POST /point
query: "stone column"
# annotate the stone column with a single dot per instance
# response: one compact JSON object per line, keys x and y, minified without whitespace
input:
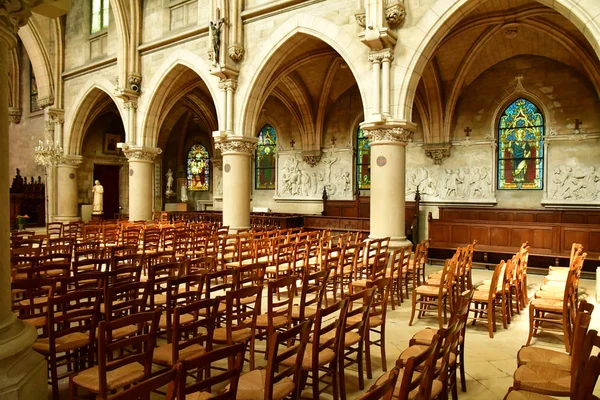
{"x":388,"y":171}
{"x":141,"y":182}
{"x":22,"y":371}
{"x":237,"y":155}
{"x":66,"y":193}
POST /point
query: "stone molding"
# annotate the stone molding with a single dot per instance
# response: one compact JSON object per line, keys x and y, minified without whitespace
{"x":382,"y":55}
{"x":134,"y":78}
{"x":55,"y":115}
{"x":233,"y":146}
{"x":71,"y":161}
{"x":140,"y":153}
{"x":236,"y":52}
{"x":45,"y":102}
{"x":361,"y":18}
{"x":228,"y":84}
{"x":437,"y":152}
{"x":396,"y":135}
{"x":395,"y":14}
{"x":15,"y":114}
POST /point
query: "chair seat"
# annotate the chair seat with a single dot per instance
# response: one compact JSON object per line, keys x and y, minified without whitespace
{"x":163,"y":355}
{"x":436,"y":388}
{"x":550,"y":294}
{"x":184,"y":319}
{"x":251,"y":386}
{"x":273,"y":269}
{"x":433,"y":282}
{"x":551,"y":358}
{"x":542,"y":379}
{"x":547,"y":305}
{"x":121,"y":332}
{"x":350,"y":339}
{"x":38,"y":322}
{"x":199,"y":396}
{"x":427,"y":290}
{"x":68,"y":342}
{"x":361,"y":283}
{"x":325,"y":357}
{"x":308,"y":312}
{"x":525,"y":395}
{"x":417,"y":349}
{"x":36,"y":300}
{"x":374,"y":321}
{"x":262,"y":321}
{"x":481,"y":296}
{"x":115,"y":379}
{"x":160,"y":299}
{"x":236,"y":264}
{"x":425,"y":336}
{"x":237,"y":336}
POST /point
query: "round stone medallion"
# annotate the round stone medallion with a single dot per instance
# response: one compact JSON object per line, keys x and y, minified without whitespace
{"x":71,"y":175}
{"x":381,"y":161}
{"x":130,"y":171}
{"x":227,"y":168}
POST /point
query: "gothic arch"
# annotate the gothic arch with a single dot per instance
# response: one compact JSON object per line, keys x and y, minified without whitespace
{"x":439,"y":19}
{"x":157,"y":105}
{"x":40,"y":61}
{"x":86,"y":100}
{"x":267,"y":59}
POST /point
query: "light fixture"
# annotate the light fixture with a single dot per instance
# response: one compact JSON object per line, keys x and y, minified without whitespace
{"x":48,"y":153}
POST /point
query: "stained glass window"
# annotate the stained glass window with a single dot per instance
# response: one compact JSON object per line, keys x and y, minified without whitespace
{"x":265,"y":159}
{"x":520,"y":146}
{"x":198,"y":168}
{"x":99,"y":15}
{"x":363,"y":161}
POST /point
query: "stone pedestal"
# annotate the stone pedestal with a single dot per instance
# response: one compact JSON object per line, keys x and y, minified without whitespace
{"x":67,"y":207}
{"x":388,"y":171}
{"x":97,"y":217}
{"x":141,"y":184}
{"x":237,"y":155}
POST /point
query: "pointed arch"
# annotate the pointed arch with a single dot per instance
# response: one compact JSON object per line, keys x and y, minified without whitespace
{"x":267,"y":59}
{"x":157,"y":104}
{"x":88,"y":97}
{"x":40,"y":61}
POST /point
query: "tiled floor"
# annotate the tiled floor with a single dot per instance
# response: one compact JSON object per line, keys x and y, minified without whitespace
{"x":489,"y":363}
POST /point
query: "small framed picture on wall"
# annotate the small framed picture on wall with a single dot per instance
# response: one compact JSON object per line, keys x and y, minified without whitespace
{"x":110,"y":143}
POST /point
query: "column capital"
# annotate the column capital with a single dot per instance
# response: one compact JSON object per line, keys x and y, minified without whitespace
{"x":381,"y":55}
{"x":139,"y":153}
{"x":228,"y":84}
{"x":236,"y":145}
{"x":437,"y":152}
{"x":54,"y":114}
{"x":72,"y":161}
{"x":13,"y":15}
{"x":386,"y":133}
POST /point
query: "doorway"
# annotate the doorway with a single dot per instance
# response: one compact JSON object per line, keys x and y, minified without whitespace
{"x":108,"y":175}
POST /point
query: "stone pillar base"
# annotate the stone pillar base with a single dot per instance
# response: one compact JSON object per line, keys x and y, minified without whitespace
{"x":23,"y":372}
{"x":63,"y":219}
{"x":395,"y":242}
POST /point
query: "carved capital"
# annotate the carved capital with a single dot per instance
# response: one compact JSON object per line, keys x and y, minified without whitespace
{"x":14,"y":114}
{"x":312,"y":158}
{"x":55,"y":115}
{"x":395,"y":135}
{"x":437,"y":153}
{"x":236,"y":52}
{"x":361,"y":18}
{"x":13,"y":15}
{"x":395,"y":14}
{"x":228,"y":84}
{"x":139,"y":153}
{"x":134,"y":78}
{"x":131,"y":104}
{"x":237,"y":146}
{"x":381,"y":55}
{"x":45,"y":102}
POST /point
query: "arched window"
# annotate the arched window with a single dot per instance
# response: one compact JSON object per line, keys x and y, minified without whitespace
{"x":265,"y":159}
{"x":520,"y":146}
{"x":198,"y":168}
{"x":99,"y":15}
{"x":363,"y":161}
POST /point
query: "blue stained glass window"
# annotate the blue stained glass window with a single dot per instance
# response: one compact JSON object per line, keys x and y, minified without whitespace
{"x":265,"y":158}
{"x":363,"y":161}
{"x":198,"y":168}
{"x":521,"y":146}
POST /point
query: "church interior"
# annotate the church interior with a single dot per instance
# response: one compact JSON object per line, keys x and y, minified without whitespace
{"x":199,"y":187}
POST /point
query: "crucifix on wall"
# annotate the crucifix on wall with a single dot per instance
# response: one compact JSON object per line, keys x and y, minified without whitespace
{"x":578,"y":123}
{"x":215,"y":29}
{"x":468,"y":131}
{"x":292,"y":143}
{"x":333,"y":140}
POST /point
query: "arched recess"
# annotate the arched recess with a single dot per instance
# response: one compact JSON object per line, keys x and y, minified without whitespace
{"x":269,"y":59}
{"x":440,"y":19}
{"x":177,"y":75}
{"x":97,"y":90}
{"x":40,"y":61}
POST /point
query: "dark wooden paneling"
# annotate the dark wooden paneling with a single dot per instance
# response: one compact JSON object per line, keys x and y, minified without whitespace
{"x":521,"y":215}
{"x":501,"y":236}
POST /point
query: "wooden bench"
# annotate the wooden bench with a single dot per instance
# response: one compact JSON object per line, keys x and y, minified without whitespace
{"x":500,"y":232}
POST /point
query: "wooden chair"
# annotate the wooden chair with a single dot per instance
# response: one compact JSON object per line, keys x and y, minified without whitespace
{"x":144,"y":389}
{"x":158,"y":275}
{"x":201,"y":265}
{"x":180,"y":291}
{"x":355,"y":330}
{"x":344,"y":274}
{"x":377,"y":318}
{"x":240,"y":319}
{"x":71,"y":324}
{"x":428,"y":296}
{"x":484,"y":301}
{"x":54,"y":229}
{"x":30,"y":301}
{"x":282,"y":262}
{"x":384,"y":388}
{"x":398,"y":273}
{"x":123,"y":300}
{"x":121,"y":361}
{"x":282,"y":375}
{"x":311,"y":295}
{"x":322,"y":355}
{"x":200,"y":388}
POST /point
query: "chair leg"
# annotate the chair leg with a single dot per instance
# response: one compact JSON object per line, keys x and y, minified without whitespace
{"x":54,"y":376}
{"x":414,"y":306}
{"x":361,"y":372}
{"x":368,"y":354}
{"x":491,"y":319}
{"x":341,"y":378}
{"x":383,"y":359}
{"x":463,"y":379}
{"x":531,"y":324}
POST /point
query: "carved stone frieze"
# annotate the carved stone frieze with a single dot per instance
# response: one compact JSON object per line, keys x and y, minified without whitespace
{"x":312,"y":159}
{"x":71,"y":161}
{"x":139,"y":153}
{"x":14,"y":114}
{"x":389,"y":135}
{"x":236,"y":52}
{"x":451,"y":184}
{"x":228,"y":84}
{"x":575,"y":184}
{"x":45,"y":102}
{"x":395,"y":14}
{"x":236,"y":146}
{"x":381,"y":55}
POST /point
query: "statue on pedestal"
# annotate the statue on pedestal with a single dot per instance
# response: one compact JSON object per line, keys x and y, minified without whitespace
{"x":98,"y":202}
{"x":169,"y":189}
{"x":184,"y":196}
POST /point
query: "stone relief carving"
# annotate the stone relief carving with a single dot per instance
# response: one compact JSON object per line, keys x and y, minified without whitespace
{"x":402,"y":135}
{"x":236,"y":52}
{"x":575,"y":183}
{"x":236,"y":146}
{"x":218,"y":180}
{"x":298,"y":179}
{"x":450,"y":184}
{"x":14,"y":114}
{"x":395,"y":13}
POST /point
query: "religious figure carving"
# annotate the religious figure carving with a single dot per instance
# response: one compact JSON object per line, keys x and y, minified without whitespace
{"x":215,"y":29}
{"x":578,"y":183}
{"x":169,"y":186}
{"x":98,"y":198}
{"x":184,"y":196}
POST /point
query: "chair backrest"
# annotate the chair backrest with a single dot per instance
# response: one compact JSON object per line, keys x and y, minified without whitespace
{"x":312,"y":292}
{"x":27,"y":294}
{"x":495,"y":279}
{"x":243,"y":307}
{"x":54,"y":229}
{"x":231,"y":374}
{"x":90,"y":264}
{"x":144,"y":390}
{"x":275,"y":370}
{"x":385,"y":389}
{"x":83,"y":280}
{"x":400,"y":259}
{"x":411,"y":377}
{"x":125,"y":299}
{"x":380,"y":297}
{"x":580,"y":325}
{"x":137,"y":347}
{"x":586,"y":383}
{"x":379,"y":267}
{"x":197,"y":328}
{"x":201,"y":265}
{"x":249,"y":275}
{"x":332,"y":318}
{"x":280,"y":305}
{"x":159,"y":275}
{"x":359,"y":305}
{"x":181,"y":291}
{"x":218,"y":281}
{"x":127,"y":260}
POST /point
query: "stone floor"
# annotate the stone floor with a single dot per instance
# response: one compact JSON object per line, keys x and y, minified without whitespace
{"x":489,"y":363}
